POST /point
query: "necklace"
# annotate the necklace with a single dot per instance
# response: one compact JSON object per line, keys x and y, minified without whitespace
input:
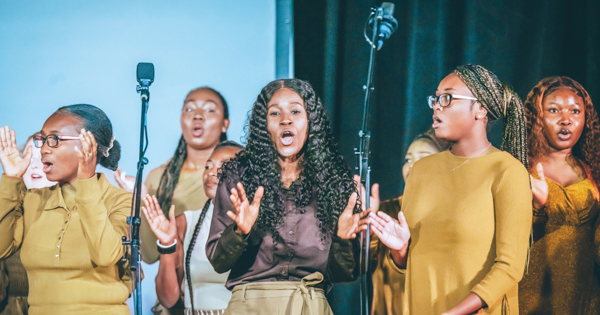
{"x":463,"y":163}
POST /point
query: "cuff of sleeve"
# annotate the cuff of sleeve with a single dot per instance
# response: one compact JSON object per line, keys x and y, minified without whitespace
{"x":11,"y":187}
{"x":233,"y":242}
{"x":390,"y":261}
{"x":87,"y":189}
{"x":483,"y":295}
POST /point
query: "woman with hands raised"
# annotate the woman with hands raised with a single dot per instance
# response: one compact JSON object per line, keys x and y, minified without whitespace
{"x":186,"y":268}
{"x":286,"y":208}
{"x":564,"y":133}
{"x":464,"y":228}
{"x":69,"y":234}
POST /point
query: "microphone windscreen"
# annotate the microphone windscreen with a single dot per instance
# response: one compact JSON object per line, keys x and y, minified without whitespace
{"x":388,"y":8}
{"x":145,"y":71}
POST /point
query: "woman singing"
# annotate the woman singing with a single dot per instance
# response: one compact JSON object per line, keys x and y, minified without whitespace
{"x":69,"y":234}
{"x":564,"y":151}
{"x":284,"y":208}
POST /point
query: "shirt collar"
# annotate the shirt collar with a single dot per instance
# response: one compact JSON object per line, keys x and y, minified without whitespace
{"x":57,"y":199}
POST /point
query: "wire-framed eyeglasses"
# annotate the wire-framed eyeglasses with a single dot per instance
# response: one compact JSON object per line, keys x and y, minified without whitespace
{"x":445,"y":99}
{"x":51,"y":140}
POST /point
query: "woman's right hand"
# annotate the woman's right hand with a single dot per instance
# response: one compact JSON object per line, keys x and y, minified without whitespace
{"x":539,"y":188}
{"x":12,"y":163}
{"x":165,"y":230}
{"x":393,"y":234}
{"x":244,"y":213}
{"x":126,"y":182}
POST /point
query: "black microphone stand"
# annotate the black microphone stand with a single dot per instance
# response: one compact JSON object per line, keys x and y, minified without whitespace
{"x":363,"y":153}
{"x":134,"y":220}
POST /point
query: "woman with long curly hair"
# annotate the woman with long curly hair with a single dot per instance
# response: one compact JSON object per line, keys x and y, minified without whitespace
{"x":463,"y":232}
{"x":564,"y":148}
{"x":285,"y":208}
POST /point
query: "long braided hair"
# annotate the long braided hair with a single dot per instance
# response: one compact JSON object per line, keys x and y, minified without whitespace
{"x":586,"y":150}
{"x":188,"y":254}
{"x":170,"y":177}
{"x":500,"y":101}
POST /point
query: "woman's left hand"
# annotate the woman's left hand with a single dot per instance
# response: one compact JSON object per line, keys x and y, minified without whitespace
{"x":349,"y":222}
{"x":87,"y":155}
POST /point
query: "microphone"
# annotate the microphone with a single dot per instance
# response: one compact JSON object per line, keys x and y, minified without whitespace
{"x":145,"y":77}
{"x":387,"y":23}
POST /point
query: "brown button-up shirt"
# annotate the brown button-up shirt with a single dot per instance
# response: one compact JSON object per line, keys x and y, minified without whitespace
{"x":296,"y":252}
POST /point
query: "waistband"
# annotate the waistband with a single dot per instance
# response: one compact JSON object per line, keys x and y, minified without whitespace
{"x":301,"y":292}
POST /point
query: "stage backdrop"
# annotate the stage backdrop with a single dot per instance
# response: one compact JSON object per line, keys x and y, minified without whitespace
{"x":56,"y":53}
{"x":521,"y":41}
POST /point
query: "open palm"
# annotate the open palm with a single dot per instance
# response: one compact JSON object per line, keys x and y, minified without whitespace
{"x":12,"y":163}
{"x":244,"y":212}
{"x":539,"y":188}
{"x":393,"y":234}
{"x":165,"y":230}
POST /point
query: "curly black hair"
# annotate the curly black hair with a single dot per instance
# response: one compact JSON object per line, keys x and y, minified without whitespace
{"x":323,"y":170}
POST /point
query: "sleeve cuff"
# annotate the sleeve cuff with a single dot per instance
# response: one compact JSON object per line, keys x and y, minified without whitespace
{"x":233,"y":242}
{"x":484,"y":296}
{"x":87,"y":189}
{"x":390,"y":261}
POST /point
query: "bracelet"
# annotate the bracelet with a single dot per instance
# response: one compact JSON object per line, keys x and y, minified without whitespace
{"x":162,"y":249}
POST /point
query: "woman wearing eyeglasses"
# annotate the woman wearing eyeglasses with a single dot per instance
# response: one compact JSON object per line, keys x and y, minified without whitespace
{"x":465,"y":223}
{"x":69,"y":234}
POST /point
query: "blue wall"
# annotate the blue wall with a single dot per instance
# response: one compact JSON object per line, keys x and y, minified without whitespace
{"x":55,"y":53}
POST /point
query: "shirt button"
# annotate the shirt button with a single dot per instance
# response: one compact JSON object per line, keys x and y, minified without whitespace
{"x":75,"y":208}
{"x":63,"y":230}
{"x":56,"y":255}
{"x":66,"y":222}
{"x":59,"y":238}
{"x":57,"y":246}
{"x":291,"y":232}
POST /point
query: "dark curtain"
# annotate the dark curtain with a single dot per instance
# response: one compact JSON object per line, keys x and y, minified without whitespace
{"x":520,"y":41}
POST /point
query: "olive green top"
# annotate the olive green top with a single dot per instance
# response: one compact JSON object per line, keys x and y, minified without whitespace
{"x":70,"y":241}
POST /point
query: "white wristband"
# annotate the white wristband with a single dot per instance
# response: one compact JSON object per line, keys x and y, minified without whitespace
{"x":165,"y":246}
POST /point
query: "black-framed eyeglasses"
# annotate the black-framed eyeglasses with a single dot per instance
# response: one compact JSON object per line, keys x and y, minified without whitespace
{"x":445,"y":99}
{"x":51,"y":140}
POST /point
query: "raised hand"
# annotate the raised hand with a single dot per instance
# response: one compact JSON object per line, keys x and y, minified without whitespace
{"x":126,"y":182}
{"x":12,"y":163}
{"x":87,"y":155}
{"x":539,"y":188}
{"x":165,"y":230}
{"x":393,"y":234}
{"x":244,"y":213}
{"x":350,"y":223}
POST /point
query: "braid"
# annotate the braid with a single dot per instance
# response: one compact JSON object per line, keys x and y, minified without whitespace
{"x":188,"y":254}
{"x":500,"y":101}
{"x":170,"y":177}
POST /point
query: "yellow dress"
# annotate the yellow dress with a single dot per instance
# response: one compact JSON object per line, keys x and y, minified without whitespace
{"x":388,"y":280}
{"x":470,"y":221}
{"x":561,"y":277}
{"x":70,"y":241}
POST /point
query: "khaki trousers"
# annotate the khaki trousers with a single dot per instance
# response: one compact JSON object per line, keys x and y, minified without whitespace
{"x":280,"y":298}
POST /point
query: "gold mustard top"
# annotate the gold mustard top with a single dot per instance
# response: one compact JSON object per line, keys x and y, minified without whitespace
{"x":561,"y":277}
